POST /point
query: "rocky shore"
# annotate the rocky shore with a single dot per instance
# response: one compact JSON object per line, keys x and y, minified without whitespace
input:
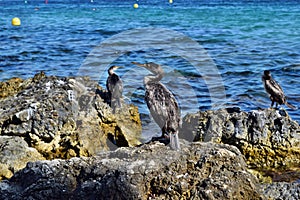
{"x":59,"y":139}
{"x":44,"y":118}
{"x":267,"y":138}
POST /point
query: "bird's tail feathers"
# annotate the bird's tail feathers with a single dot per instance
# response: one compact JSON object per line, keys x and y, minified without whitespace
{"x":116,"y":104}
{"x":290,"y":106}
{"x":174,"y":141}
{"x":119,"y":103}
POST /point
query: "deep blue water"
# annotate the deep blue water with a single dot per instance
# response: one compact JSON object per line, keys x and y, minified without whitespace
{"x":213,"y":52}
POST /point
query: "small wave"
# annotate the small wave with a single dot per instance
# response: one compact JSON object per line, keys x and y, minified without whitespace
{"x":239,"y":73}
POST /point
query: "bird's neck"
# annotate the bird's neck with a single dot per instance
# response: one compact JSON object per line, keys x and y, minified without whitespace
{"x":153,"y":79}
{"x":267,"y":77}
{"x":111,"y":72}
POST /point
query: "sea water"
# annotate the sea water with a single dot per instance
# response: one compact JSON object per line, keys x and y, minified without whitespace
{"x":213,"y":51}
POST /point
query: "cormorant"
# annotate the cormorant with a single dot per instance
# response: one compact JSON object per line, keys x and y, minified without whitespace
{"x":114,"y":86}
{"x":274,"y":89}
{"x":162,"y":104}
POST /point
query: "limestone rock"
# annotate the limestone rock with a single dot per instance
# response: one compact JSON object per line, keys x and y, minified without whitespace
{"x":290,"y":191}
{"x":11,"y":87}
{"x":199,"y":171}
{"x":267,"y":138}
{"x":64,"y":117}
{"x":14,"y":155}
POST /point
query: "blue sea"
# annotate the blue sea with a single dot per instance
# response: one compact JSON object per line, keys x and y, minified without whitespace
{"x":213,"y":51}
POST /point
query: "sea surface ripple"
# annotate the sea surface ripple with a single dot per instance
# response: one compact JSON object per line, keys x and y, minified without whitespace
{"x":242,"y":38}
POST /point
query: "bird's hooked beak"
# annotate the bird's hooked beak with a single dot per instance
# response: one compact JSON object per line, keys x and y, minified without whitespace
{"x":113,"y":68}
{"x":154,"y":68}
{"x":117,"y":67}
{"x":145,"y":65}
{"x":138,"y":64}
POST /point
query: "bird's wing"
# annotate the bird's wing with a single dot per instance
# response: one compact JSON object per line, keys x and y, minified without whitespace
{"x":115,"y":86}
{"x":108,"y":84}
{"x":154,"y":102}
{"x":162,"y":105}
{"x":274,"y":89}
{"x":276,"y":85}
{"x":280,"y":96}
{"x":117,"y":89}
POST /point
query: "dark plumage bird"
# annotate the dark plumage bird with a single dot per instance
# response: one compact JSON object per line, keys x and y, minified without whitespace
{"x":162,"y":104}
{"x":274,"y":89}
{"x":114,"y":86}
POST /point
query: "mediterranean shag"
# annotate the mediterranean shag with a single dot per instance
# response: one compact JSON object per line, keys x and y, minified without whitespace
{"x":114,"y":87}
{"x":275,"y":91}
{"x":162,"y":104}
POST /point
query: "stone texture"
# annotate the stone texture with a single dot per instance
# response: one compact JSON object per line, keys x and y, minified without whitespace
{"x":11,"y":87}
{"x":14,"y":155}
{"x":281,"y":190}
{"x":267,"y":138}
{"x":198,"y":171}
{"x":64,"y":117}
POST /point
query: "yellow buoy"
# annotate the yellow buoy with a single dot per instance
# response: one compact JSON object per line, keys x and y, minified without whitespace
{"x":16,"y":21}
{"x":135,"y":5}
{"x":170,"y":1}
